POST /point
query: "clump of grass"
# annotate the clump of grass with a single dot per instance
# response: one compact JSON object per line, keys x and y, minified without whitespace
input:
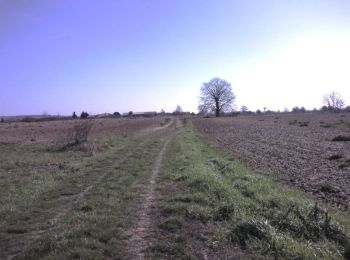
{"x":224,"y":212}
{"x":341,"y":138}
{"x":171,"y":224}
{"x":303,"y":123}
{"x":336,"y":156}
{"x":293,"y":122}
{"x":300,"y":123}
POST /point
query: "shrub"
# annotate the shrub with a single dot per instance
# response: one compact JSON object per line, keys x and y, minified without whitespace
{"x":2,"y":120}
{"x":79,"y":133}
{"x":74,"y":115}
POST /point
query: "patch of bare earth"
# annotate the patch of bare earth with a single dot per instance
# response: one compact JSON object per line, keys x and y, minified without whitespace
{"x":299,"y":154}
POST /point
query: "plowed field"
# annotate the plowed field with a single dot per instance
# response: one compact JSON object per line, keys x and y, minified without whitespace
{"x":298,"y":147}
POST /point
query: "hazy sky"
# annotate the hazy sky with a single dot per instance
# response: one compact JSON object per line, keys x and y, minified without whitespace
{"x":60,"y":56}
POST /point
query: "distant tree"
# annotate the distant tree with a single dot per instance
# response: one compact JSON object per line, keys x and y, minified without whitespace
{"x":347,"y":109}
{"x":264,"y":109}
{"x":178,"y":110}
{"x":258,"y":112}
{"x":244,"y":109}
{"x":324,"y":108}
{"x":84,"y":115}
{"x":216,"y":96}
{"x":130,"y":113}
{"x":333,"y":101}
{"x":297,"y":109}
{"x":162,"y":112}
{"x":74,"y":115}
{"x":2,"y":120}
{"x":116,"y":114}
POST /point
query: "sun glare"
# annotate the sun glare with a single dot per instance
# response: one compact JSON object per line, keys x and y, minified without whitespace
{"x":303,"y":66}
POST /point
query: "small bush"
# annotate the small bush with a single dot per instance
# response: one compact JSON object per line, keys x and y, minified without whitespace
{"x":341,"y":138}
{"x":79,"y":133}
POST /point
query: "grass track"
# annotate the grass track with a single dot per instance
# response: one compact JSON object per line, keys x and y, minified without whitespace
{"x":93,"y":228}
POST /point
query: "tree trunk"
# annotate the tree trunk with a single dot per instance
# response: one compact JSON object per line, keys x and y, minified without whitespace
{"x":217,"y":108}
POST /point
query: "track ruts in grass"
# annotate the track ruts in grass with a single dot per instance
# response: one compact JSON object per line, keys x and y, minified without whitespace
{"x":30,"y":237}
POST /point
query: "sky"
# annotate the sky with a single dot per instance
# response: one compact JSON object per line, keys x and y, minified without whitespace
{"x":61,"y":56}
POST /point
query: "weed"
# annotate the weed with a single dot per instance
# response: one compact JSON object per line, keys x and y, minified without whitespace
{"x":327,"y":187}
{"x":341,"y":138}
{"x":335,"y":157}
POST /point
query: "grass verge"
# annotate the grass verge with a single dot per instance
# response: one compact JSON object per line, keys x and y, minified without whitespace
{"x":211,"y":205}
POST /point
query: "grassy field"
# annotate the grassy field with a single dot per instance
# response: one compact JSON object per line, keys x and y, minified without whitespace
{"x":162,"y":191}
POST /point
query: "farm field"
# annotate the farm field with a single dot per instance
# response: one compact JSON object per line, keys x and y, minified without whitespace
{"x":297,"y":147}
{"x":155,"y":188}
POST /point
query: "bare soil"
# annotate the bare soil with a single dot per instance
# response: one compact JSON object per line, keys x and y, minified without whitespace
{"x":300,"y":155}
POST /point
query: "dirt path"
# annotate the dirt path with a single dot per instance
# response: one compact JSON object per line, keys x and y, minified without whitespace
{"x":139,"y":241}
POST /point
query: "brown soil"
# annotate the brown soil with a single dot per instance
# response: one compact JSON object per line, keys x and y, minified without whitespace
{"x":300,"y":155}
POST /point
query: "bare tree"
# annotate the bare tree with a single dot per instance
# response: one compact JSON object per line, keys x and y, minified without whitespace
{"x":216,"y":96}
{"x":178,"y":110}
{"x":333,"y":101}
{"x":244,"y":109}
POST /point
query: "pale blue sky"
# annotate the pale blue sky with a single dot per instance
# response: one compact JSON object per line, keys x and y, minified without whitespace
{"x":61,"y":56}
